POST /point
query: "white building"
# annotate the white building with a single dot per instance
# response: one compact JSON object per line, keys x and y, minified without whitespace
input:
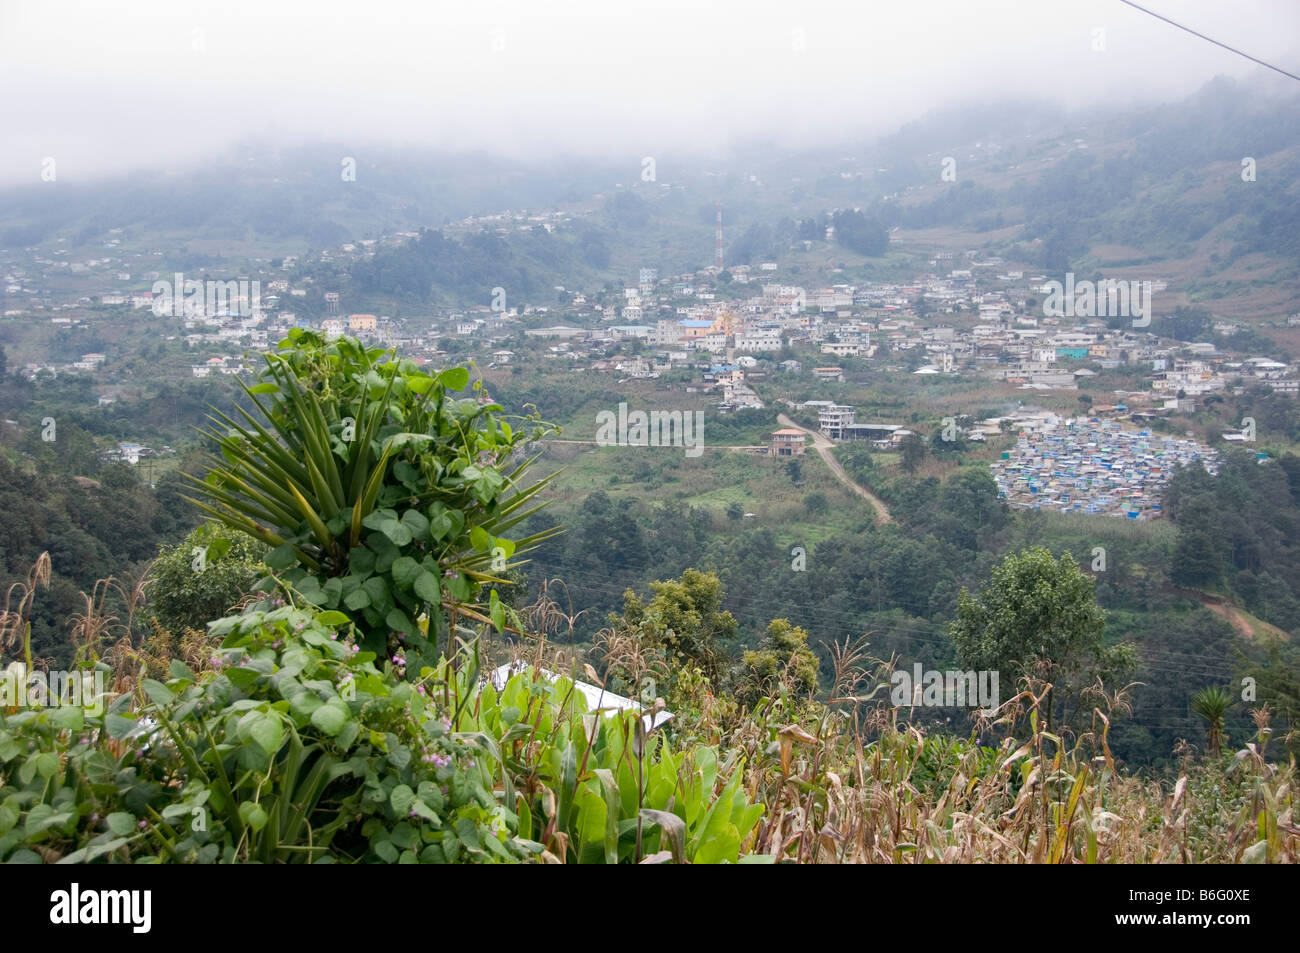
{"x":759,"y":341}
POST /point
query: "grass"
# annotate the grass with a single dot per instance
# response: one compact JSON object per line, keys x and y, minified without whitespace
{"x":712,"y":482}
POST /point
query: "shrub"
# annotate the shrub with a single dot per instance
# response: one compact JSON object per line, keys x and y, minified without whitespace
{"x":291,"y":746}
{"x":782,"y":662}
{"x":380,"y":493}
{"x":203,"y":577}
{"x":295,"y":748}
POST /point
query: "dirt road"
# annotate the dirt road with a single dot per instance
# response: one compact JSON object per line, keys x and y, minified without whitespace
{"x":824,"y":447}
{"x":1230,"y":613}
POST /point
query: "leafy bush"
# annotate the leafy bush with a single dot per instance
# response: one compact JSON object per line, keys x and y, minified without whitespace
{"x":380,"y":493}
{"x":291,"y":746}
{"x":60,"y":786}
{"x":203,"y":576}
{"x":294,"y":748}
{"x":783,"y":660}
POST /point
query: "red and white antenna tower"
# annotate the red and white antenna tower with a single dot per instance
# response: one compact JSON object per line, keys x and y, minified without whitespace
{"x":717,"y":252}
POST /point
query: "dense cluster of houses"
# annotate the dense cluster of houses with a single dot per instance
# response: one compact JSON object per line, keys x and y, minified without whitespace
{"x":1093,"y":466}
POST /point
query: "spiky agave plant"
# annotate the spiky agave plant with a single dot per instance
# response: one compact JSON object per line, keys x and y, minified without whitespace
{"x":1212,"y":704}
{"x":382,"y":494}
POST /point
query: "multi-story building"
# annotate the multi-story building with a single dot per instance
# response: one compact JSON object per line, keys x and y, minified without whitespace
{"x":759,"y":340}
{"x":833,"y":419}
{"x":788,"y":442}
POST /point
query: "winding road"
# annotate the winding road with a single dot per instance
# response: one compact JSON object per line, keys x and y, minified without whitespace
{"x":824,"y":447}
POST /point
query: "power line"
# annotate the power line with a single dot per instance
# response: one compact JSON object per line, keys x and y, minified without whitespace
{"x":1209,"y":39}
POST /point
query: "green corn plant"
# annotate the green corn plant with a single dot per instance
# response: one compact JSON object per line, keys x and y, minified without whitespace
{"x":596,"y":788}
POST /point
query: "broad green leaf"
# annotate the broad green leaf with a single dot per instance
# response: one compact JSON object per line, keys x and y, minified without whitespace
{"x":361,"y":561}
{"x":405,"y":571}
{"x":119,"y":726}
{"x":68,"y":718}
{"x":268,"y":732}
{"x":158,"y":693}
{"x":416,"y":522}
{"x":281,"y":558}
{"x":253,"y":814}
{"x":121,"y":823}
{"x":401,"y":800}
{"x":454,"y":378}
{"x":330,"y":717}
{"x":399,"y":621}
{"x":498,"y":612}
{"x":718,"y":846}
{"x":426,"y":587}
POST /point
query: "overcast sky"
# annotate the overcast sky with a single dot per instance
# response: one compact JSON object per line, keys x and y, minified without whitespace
{"x":105,"y":86}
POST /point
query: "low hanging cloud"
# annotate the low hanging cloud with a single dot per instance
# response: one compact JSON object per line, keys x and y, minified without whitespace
{"x":110,"y":87}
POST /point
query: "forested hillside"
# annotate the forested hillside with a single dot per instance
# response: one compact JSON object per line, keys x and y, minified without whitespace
{"x":900,"y":582}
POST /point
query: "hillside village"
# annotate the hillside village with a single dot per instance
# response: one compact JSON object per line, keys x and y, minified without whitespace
{"x":716,"y":332}
{"x":982,"y":319}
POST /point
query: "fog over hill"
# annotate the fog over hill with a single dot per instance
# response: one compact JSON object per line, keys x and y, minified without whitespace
{"x":1162,"y":189}
{"x":174,"y":83}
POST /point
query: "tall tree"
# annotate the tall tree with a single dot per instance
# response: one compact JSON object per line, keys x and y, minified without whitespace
{"x":1037,"y":616}
{"x":783,"y":656}
{"x":686,"y":617}
{"x":913,"y":448}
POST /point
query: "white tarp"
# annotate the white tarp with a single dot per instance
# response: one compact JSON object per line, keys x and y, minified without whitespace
{"x":596,"y":696}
